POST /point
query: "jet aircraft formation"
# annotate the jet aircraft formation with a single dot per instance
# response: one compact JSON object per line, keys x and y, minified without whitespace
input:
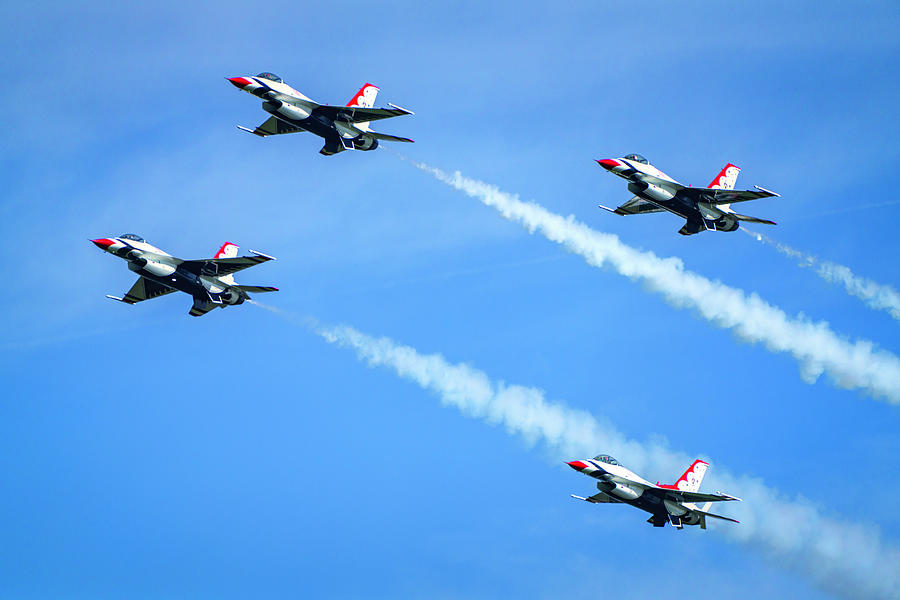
{"x":210,"y":282}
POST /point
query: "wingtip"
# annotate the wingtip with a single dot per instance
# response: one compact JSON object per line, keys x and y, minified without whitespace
{"x":762,"y":189}
{"x":400,"y":108}
{"x":262,"y":255}
{"x":608,"y":209}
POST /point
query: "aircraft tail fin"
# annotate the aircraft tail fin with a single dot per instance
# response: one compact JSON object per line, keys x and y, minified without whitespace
{"x":726,"y":179}
{"x":690,"y":480}
{"x":364,"y":98}
{"x":228,"y":250}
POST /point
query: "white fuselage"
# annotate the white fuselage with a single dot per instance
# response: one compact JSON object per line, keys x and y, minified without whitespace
{"x":153,"y":263}
{"x":651,"y":184}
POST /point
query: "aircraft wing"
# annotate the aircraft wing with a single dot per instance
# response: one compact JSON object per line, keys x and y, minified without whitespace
{"x":217,"y":267}
{"x":716,"y":196}
{"x":695,"y":497}
{"x":143,"y":289}
{"x":598,"y":498}
{"x":272,"y":126}
{"x":356,"y":114}
{"x":635,"y":206}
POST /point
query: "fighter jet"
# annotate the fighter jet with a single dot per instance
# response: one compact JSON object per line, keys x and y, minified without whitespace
{"x":675,"y":504}
{"x":343,"y":127}
{"x":210,"y":281}
{"x":704,"y":208}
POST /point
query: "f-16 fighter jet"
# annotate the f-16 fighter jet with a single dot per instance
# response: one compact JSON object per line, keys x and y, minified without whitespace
{"x":704,"y":208}
{"x":343,"y":127}
{"x":676,"y":504}
{"x":210,"y":281}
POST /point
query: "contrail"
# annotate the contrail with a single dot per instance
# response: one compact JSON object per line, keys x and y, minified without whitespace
{"x":850,"y":365}
{"x":874,"y":294}
{"x":841,"y":557}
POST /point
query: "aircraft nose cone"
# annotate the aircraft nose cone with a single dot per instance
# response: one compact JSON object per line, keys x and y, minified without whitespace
{"x":577,"y":465}
{"x":102,"y":243}
{"x":608,"y":163}
{"x":239,"y":82}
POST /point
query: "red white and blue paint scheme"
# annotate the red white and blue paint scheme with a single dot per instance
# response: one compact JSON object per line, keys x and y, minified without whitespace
{"x":676,"y":504}
{"x":703,"y":208}
{"x":342,"y":127}
{"x":209,"y":281}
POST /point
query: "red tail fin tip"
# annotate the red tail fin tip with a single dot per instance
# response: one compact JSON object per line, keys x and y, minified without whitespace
{"x":365,"y":97}
{"x":726,"y":178}
{"x":228,"y":250}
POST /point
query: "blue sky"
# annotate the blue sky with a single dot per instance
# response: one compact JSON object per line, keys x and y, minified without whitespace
{"x":148,"y":454}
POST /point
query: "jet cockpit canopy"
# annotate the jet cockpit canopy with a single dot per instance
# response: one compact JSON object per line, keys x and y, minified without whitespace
{"x":606,"y":458}
{"x":271,"y":77}
{"x":638,"y":159}
{"x":132,"y":237}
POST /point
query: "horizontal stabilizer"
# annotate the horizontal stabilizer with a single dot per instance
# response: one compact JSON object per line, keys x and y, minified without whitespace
{"x":752,"y":219}
{"x":388,"y":138}
{"x":202,"y":306}
{"x":707,"y":514}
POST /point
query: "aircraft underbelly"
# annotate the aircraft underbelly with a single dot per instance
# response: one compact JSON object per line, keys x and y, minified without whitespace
{"x":647,"y":502}
{"x":313,"y":124}
{"x":675,"y":206}
{"x":177,"y":281}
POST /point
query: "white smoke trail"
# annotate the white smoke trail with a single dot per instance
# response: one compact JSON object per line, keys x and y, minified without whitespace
{"x":856,"y":365}
{"x":843,"y":558}
{"x":874,"y":294}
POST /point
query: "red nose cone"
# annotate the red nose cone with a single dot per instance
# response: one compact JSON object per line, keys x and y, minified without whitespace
{"x":102,"y":243}
{"x":608,"y":163}
{"x":577,"y":465}
{"x":239,"y":82}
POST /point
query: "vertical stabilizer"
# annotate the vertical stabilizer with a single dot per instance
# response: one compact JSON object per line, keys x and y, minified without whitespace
{"x":726,"y":179}
{"x":228,"y":250}
{"x":364,"y":98}
{"x":691,"y":479}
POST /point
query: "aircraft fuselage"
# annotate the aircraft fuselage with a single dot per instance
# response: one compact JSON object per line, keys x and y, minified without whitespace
{"x":162,"y":268}
{"x":292,"y":110}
